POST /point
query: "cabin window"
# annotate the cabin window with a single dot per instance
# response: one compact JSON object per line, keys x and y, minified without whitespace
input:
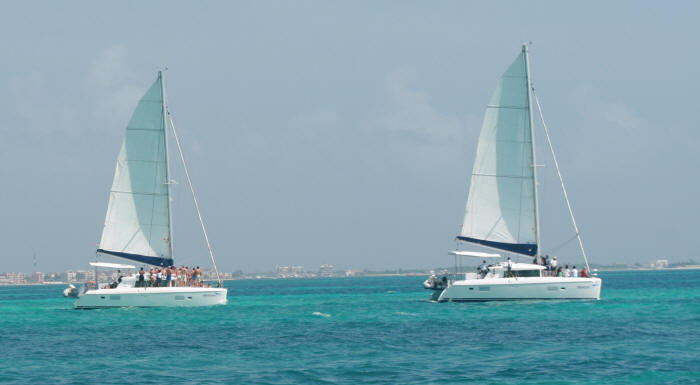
{"x":115,"y":297}
{"x":484,"y":288}
{"x":179,"y":298}
{"x":526,"y":273}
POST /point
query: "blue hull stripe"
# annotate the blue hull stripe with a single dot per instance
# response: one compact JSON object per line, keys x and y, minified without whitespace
{"x":156,"y":261}
{"x":520,"y":248}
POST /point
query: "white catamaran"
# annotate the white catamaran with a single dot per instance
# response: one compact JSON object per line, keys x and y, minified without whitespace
{"x":502,"y":209}
{"x":138,"y":222}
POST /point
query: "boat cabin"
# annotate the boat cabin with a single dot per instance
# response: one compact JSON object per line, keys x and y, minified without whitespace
{"x":500,"y":270}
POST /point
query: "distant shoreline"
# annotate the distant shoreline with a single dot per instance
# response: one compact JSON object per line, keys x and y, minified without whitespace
{"x":691,"y":267}
{"x":370,"y":275}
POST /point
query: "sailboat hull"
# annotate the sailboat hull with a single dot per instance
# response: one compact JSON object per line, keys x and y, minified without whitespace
{"x":152,"y":297}
{"x":523,"y":288}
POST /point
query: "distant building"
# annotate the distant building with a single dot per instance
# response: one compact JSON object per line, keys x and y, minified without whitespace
{"x":16,"y":278}
{"x":84,"y":275}
{"x":325,"y":271}
{"x":38,"y":277}
{"x":55,"y":277}
{"x":289,"y":271}
{"x":660,"y":264}
{"x":354,"y":273}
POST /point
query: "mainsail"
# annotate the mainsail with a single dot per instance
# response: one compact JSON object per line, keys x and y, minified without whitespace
{"x":137,"y":225}
{"x":501,"y":210}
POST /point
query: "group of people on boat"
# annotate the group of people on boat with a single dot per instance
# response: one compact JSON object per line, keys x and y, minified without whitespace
{"x":170,"y":276}
{"x":554,"y":269}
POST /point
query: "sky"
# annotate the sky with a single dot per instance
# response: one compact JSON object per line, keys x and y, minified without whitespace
{"x":344,"y":133}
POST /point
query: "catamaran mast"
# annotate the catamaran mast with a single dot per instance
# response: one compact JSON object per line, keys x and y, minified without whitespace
{"x":167,"y":165}
{"x":534,"y":156}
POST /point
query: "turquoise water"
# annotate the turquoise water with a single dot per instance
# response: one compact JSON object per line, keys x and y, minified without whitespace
{"x":644,"y":330}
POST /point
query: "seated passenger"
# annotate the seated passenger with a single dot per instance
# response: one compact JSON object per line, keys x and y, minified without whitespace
{"x":483,"y":269}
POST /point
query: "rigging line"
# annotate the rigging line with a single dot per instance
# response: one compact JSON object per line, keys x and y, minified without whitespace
{"x":562,"y":245}
{"x":561,"y":179}
{"x":194,"y":198}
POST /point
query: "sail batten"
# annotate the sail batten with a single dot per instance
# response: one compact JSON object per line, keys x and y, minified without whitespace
{"x":501,"y":208}
{"x":137,"y":224}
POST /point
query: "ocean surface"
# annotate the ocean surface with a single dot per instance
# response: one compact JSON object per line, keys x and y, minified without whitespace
{"x":644,"y":330}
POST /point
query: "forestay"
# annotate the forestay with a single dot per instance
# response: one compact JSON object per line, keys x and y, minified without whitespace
{"x":501,"y":208}
{"x":137,"y":224}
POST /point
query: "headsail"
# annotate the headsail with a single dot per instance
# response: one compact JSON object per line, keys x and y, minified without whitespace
{"x":501,"y":210}
{"x":137,"y":225}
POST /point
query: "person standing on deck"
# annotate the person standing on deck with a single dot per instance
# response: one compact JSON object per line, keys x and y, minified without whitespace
{"x":168,"y":276}
{"x":574,"y":272}
{"x":509,"y":263}
{"x":141,"y":282}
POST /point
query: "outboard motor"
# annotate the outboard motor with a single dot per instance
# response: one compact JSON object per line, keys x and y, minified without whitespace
{"x":70,"y":291}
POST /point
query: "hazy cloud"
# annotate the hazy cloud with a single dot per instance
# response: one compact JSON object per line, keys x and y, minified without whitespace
{"x":109,"y":68}
{"x":321,"y":124}
{"x":107,"y":84}
{"x":35,"y":111}
{"x":607,"y":129}
{"x":418,"y":133}
{"x":409,"y":110}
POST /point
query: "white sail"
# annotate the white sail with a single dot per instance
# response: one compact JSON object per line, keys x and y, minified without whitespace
{"x":137,"y":225}
{"x":501,"y":208}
